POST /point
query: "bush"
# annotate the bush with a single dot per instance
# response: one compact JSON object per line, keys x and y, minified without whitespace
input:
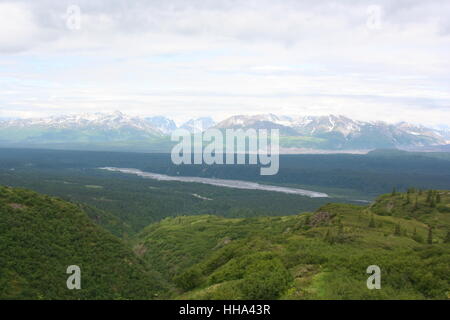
{"x":189,"y":279}
{"x":265,"y":280}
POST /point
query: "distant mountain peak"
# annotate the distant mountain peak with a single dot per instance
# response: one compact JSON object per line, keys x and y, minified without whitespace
{"x":199,"y":124}
{"x":105,"y":121}
{"x":313,"y":132}
{"x":341,"y":131}
{"x":164,"y":124}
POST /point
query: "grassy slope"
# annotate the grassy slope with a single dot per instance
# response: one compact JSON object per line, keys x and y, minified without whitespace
{"x":321,"y":255}
{"x":41,"y":236}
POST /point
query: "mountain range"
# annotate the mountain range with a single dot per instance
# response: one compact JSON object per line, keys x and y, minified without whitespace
{"x":120,"y":131}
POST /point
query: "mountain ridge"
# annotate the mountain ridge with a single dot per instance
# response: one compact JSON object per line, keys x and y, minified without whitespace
{"x":333,"y":132}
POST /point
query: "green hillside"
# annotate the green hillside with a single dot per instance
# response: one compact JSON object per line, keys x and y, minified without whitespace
{"x":320,"y":255}
{"x":41,"y":236}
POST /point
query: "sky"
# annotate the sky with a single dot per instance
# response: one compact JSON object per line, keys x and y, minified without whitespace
{"x":368,"y":60}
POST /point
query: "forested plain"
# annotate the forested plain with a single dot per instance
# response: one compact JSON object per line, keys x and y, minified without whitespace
{"x":144,"y":239}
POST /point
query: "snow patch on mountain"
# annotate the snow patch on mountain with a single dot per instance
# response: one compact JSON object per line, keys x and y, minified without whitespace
{"x":199,"y":124}
{"x":165,"y":125}
{"x":105,"y":121}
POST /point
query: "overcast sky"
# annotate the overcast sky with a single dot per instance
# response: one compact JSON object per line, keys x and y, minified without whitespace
{"x":370,"y":60}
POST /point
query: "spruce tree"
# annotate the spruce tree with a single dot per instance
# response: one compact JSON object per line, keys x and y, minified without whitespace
{"x":394,"y":191}
{"x":433,"y":203}
{"x":447,"y":238}
{"x":328,"y":237}
{"x":430,"y":236}
{"x":429,"y":195}
{"x":307,"y":221}
{"x":438,"y":198}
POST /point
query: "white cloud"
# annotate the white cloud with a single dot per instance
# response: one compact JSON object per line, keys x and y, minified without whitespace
{"x":184,"y":58}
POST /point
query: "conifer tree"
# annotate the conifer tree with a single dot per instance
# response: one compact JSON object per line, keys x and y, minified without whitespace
{"x":328,"y":237}
{"x":433,"y":203}
{"x":429,"y":195}
{"x":416,"y":203}
{"x":307,"y":221}
{"x":430,"y":236}
{"x":447,"y":238}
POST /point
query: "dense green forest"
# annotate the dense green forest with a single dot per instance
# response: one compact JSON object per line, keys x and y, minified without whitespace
{"x":318,"y":255}
{"x":138,"y":238}
{"x":41,"y":236}
{"x":367,"y":175}
{"x":124,"y":204}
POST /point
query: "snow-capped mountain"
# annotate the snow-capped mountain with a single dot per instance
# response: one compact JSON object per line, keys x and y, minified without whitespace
{"x":314,"y":125}
{"x":165,"y":125}
{"x":199,"y":124}
{"x":117,"y":130}
{"x":98,"y":131}
{"x":268,"y":122}
{"x":339,"y":132}
{"x":103,"y":121}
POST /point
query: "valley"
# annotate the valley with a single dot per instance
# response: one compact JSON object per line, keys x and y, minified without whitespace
{"x":321,"y":254}
{"x":224,"y":159}
{"x":234,"y":184}
{"x":192,"y":240}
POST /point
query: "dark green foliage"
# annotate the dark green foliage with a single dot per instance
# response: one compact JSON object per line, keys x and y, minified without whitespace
{"x":447,"y":237}
{"x":416,"y":237}
{"x":248,"y":258}
{"x":320,"y":255}
{"x":367,"y":175}
{"x":189,"y":279}
{"x":429,"y":196}
{"x":125,"y":204}
{"x":430,"y":236}
{"x":41,"y":236}
{"x":266,"y":279}
{"x":416,"y":203}
{"x":328,"y":237}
